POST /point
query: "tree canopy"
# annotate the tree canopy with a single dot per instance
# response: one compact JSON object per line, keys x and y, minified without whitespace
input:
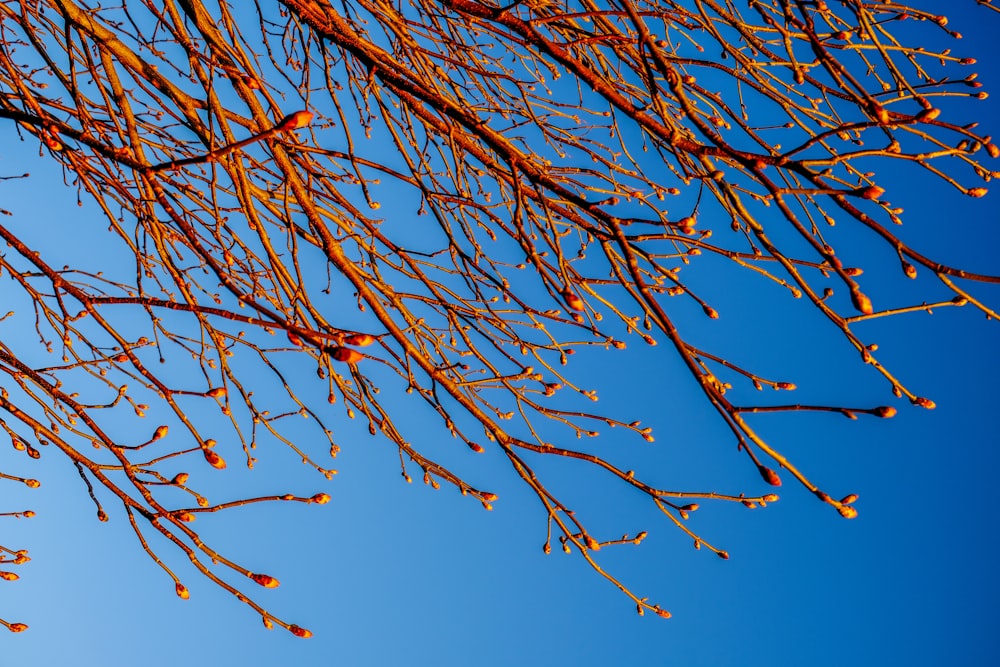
{"x":329,"y":211}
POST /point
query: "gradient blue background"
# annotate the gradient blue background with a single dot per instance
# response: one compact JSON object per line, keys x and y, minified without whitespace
{"x":392,"y":574}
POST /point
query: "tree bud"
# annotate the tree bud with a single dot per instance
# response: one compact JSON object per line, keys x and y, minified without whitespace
{"x":295,"y":121}
{"x":299,"y":632}
{"x":360,"y":339}
{"x":847,"y":511}
{"x":572,"y":300}
{"x":265,"y":580}
{"x":769,"y":475}
{"x":861,"y":302}
{"x":345,"y":354}
{"x":872,"y":192}
{"x":214,"y":459}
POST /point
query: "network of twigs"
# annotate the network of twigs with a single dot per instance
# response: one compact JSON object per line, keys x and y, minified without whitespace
{"x":573,"y":162}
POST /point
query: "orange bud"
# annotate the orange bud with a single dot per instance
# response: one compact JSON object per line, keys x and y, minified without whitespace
{"x":572,"y":300}
{"x":267,"y":622}
{"x":186,"y":517}
{"x":662,"y":613}
{"x":32,"y":483}
{"x":787,"y":386}
{"x":769,"y":475}
{"x":17,"y":627}
{"x":182,"y":591}
{"x":924,"y":402}
{"x":861,"y":302}
{"x":872,"y":192}
{"x":885,"y":411}
{"x":161,"y":432}
{"x":320,"y":499}
{"x":214,"y":459}
{"x":345,"y":354}
{"x":217,"y":392}
{"x":993,"y":150}
{"x":928,"y":114}
{"x":770,"y":498}
{"x":592,"y":543}
{"x":848,"y":499}
{"x":299,"y":632}
{"x":360,"y":339}
{"x":691,"y":508}
{"x":295,"y":121}
{"x":476,"y":447}
{"x":976,"y":192}
{"x":9,"y":576}
{"x":711,"y":312}
{"x":724,"y":555}
{"x":180,"y":478}
{"x":847,"y":511}
{"x":265,"y":580}
{"x":294,"y":339}
{"x":853,"y":271}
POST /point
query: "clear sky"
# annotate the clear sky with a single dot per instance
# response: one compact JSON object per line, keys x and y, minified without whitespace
{"x":391,"y":574}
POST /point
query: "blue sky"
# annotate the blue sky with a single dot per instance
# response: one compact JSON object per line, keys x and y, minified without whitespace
{"x":393,"y":573}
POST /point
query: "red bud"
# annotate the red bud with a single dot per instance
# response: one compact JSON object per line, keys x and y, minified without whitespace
{"x":295,"y":121}
{"x":299,"y":632}
{"x":345,"y":354}
{"x":872,"y":192}
{"x":265,"y":580}
{"x":214,"y":459}
{"x":361,"y":339}
{"x":572,"y":300}
{"x":769,"y":476}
